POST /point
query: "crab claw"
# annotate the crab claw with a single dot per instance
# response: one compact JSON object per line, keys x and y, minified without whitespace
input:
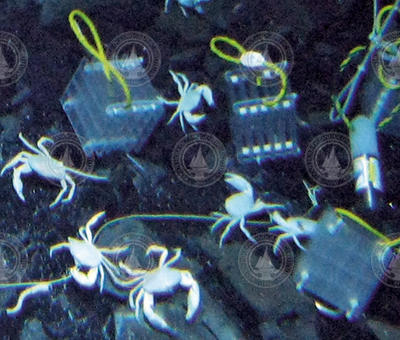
{"x":187,"y":281}
{"x":277,"y":218}
{"x":17,"y":183}
{"x":175,"y":78}
{"x":194,"y":119}
{"x":85,"y":279}
{"x":155,"y":320}
{"x":207,"y":94}
{"x":239,"y":183}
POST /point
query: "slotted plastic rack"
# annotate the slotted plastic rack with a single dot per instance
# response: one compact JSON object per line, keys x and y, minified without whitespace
{"x":336,"y":268}
{"x":261,"y":132}
{"x":98,"y":114}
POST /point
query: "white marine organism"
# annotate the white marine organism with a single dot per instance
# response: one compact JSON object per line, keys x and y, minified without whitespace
{"x":44,"y":165}
{"x":292,"y":227}
{"x":191,"y":95}
{"x":239,"y":206}
{"x":163,"y":280}
{"x":90,"y":260}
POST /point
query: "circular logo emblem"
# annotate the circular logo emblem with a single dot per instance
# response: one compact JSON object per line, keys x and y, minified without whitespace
{"x":199,"y":159}
{"x":328,"y":159}
{"x":258,"y":264}
{"x":273,"y":48}
{"x":13,"y":258}
{"x":133,"y":251}
{"x":385,"y":263}
{"x":386,"y":59}
{"x":136,"y":56}
{"x":66,"y":148}
{"x":13,"y":58}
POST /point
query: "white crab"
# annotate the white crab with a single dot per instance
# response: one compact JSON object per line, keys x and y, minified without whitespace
{"x":195,"y":4}
{"x":163,"y":280}
{"x":89,"y":257}
{"x":190,"y":99}
{"x":239,"y":206}
{"x":293,"y":227}
{"x":41,"y":163}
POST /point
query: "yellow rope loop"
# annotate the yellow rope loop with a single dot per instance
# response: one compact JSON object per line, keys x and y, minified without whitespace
{"x":230,"y":42}
{"x":98,"y":50}
{"x":281,"y":73}
{"x":238,"y":60}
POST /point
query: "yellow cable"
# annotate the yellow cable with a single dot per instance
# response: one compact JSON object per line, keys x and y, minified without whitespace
{"x":383,"y":11}
{"x":97,"y":51}
{"x":364,"y":224}
{"x":282,"y":91}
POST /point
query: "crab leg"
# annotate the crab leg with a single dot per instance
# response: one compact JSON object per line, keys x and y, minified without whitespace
{"x":218,"y":223}
{"x":41,"y":143}
{"x":175,"y":78}
{"x":138,"y":301}
{"x":85,"y":175}
{"x":185,"y":82}
{"x":28,"y":145}
{"x":175,"y":258}
{"x":17,"y":183}
{"x":173,"y":117}
{"x":168,"y":102}
{"x":166,"y":6}
{"x":64,"y":188}
{"x":71,"y":190}
{"x":21,"y":157}
{"x":227,"y":231}
{"x":245,"y":231}
{"x":92,"y":222}
{"x":57,"y":247}
{"x":182,"y":123}
{"x":158,"y":250}
{"x":112,"y":251}
{"x":101,"y":270}
{"x":114,"y":272}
